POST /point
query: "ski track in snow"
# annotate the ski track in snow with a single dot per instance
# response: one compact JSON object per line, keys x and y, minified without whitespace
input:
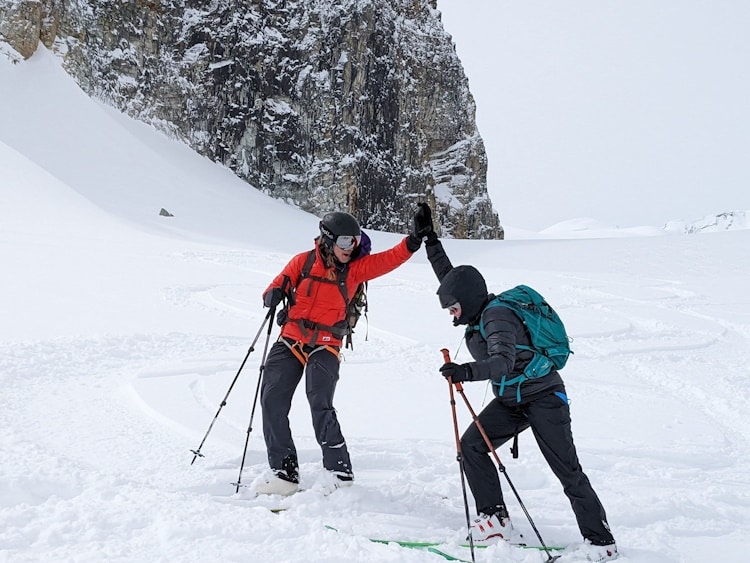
{"x":139,"y":402}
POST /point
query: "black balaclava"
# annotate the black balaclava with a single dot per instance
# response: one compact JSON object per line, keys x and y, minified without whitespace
{"x":467,"y":286}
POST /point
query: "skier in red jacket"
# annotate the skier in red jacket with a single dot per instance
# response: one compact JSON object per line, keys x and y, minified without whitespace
{"x":314,"y":326}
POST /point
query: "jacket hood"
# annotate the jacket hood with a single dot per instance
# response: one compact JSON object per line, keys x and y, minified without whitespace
{"x":467,"y":286}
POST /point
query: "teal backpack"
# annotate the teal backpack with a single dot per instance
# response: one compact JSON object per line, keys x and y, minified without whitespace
{"x":549,"y":341}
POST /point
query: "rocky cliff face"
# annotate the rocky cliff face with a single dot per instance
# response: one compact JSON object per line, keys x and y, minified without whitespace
{"x":356,"y":105}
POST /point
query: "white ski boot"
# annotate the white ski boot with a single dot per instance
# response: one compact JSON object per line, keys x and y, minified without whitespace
{"x":275,"y":485}
{"x":489,"y":528}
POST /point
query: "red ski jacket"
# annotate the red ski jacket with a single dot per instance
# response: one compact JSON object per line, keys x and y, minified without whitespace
{"x":320,"y":305}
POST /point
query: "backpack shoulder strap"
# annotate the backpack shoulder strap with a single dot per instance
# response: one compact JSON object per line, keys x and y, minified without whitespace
{"x":496,"y":302}
{"x":340,"y":280}
{"x":304,"y":273}
{"x":340,"y":274}
{"x":305,"y":324}
{"x":307,"y":266}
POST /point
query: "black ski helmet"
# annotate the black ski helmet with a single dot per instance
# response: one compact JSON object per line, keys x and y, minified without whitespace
{"x":337,"y":224}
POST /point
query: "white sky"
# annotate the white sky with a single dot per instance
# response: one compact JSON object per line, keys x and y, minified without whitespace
{"x":634,"y":112}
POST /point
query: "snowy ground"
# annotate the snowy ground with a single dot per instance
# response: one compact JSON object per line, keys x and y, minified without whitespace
{"x":122,"y":331}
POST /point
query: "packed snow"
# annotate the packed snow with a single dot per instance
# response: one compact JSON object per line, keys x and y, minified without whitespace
{"x":123,"y":331}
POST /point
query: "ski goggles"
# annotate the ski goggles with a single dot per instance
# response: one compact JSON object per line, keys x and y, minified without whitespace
{"x":446,"y":300}
{"x":347,"y":242}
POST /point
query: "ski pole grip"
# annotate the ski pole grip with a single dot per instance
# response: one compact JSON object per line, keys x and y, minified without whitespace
{"x":446,"y":355}
{"x":447,"y":360}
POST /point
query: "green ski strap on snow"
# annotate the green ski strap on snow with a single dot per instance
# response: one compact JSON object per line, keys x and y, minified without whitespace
{"x":425,"y":546}
{"x":432,"y":547}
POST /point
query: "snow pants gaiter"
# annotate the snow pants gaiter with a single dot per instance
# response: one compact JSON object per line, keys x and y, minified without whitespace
{"x":549,"y":419}
{"x":281,"y":376}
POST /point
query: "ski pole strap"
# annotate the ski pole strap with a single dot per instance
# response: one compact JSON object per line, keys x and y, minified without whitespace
{"x":514,"y":447}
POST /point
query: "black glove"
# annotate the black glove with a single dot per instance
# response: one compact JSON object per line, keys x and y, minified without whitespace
{"x":423,"y":222}
{"x":457,"y":372}
{"x":273,"y":297}
{"x":282,"y":316}
{"x":413,"y":242}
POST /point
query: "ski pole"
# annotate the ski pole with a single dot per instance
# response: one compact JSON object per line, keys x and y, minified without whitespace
{"x":459,"y":455}
{"x":255,"y":402}
{"x":197,"y":451}
{"x":500,"y":465}
{"x":269,"y":315}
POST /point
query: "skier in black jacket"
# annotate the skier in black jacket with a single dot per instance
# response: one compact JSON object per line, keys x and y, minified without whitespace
{"x":543,"y":404}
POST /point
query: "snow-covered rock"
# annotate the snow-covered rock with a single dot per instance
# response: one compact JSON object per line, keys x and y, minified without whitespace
{"x":728,"y":221}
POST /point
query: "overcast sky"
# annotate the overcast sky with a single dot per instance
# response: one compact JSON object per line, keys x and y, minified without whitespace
{"x":634,"y":112}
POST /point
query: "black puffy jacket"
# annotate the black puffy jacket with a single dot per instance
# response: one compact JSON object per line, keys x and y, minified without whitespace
{"x":495,"y":355}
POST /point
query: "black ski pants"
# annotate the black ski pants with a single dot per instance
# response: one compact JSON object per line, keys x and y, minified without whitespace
{"x":549,"y":420}
{"x":281,"y":375}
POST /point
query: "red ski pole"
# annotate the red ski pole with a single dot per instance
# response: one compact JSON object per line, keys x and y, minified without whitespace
{"x":500,"y":465}
{"x":459,"y":455}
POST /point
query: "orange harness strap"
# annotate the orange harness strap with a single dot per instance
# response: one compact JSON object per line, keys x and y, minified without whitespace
{"x":298,"y":349}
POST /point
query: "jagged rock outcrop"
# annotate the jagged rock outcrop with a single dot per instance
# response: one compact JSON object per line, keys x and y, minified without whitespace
{"x":23,"y":24}
{"x":727,"y":221}
{"x":357,"y":105}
